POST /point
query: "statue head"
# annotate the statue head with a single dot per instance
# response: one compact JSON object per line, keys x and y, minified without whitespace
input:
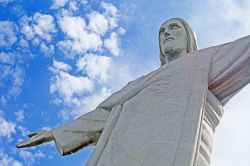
{"x":175,"y":37}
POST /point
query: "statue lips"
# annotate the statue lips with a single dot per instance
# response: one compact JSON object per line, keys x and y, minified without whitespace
{"x":168,"y":39}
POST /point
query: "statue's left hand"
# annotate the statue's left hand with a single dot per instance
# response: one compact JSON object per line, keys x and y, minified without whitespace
{"x":36,"y":138}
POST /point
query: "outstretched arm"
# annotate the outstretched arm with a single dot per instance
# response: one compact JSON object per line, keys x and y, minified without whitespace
{"x":230,"y":69}
{"x":86,"y":129}
{"x":71,"y":137}
{"x":81,"y":132}
{"x":36,"y":138}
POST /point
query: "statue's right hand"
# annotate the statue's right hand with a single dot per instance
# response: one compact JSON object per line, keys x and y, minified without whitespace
{"x":36,"y":138}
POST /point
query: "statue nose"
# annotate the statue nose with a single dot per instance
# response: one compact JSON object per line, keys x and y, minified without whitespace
{"x":166,"y":33}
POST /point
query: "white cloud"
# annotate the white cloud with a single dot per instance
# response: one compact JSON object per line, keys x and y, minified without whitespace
{"x":3,"y":100}
{"x":18,"y":79}
{"x":5,"y":1}
{"x":36,"y":41}
{"x":7,"y":33}
{"x":29,"y":157}
{"x":23,"y":130}
{"x":65,"y":115}
{"x":38,"y":31}
{"x":47,"y":50}
{"x":111,"y":13}
{"x":6,"y":58}
{"x":40,"y":25}
{"x":19,"y":115}
{"x":95,"y":66}
{"x":83,"y":2}
{"x":26,"y":27}
{"x":67,"y":87}
{"x":121,"y":31}
{"x":98,"y":23}
{"x":73,"y":5}
{"x":58,"y":66}
{"x":24,"y":43}
{"x":81,"y":37}
{"x":12,"y":76}
{"x":87,"y":104}
{"x":92,"y":101}
{"x":112,"y":44}
{"x":109,"y":9}
{"x":81,"y":40}
{"x":6,"y":160}
{"x":16,"y":163}
{"x":73,"y":26}
{"x":6,"y":71}
{"x":66,"y":4}
{"x":58,"y":4}
{"x":7,"y":128}
{"x":44,"y":26}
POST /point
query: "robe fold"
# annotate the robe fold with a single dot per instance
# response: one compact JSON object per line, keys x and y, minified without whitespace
{"x":167,"y":117}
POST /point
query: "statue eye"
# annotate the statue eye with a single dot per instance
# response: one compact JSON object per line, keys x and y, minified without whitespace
{"x":174,"y":26}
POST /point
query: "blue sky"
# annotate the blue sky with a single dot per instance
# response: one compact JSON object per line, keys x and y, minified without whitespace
{"x":60,"y":58}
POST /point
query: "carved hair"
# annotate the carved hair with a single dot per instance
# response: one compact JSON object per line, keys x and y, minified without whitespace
{"x":191,"y":40}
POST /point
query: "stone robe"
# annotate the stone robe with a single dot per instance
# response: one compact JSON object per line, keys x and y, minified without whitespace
{"x":167,"y":117}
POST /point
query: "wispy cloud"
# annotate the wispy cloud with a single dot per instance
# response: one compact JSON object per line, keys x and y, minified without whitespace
{"x":112,"y":44}
{"x":80,"y":39}
{"x":7,"y":127}
{"x":96,"y":67}
{"x":58,"y":4}
{"x":30,"y":157}
{"x":12,"y":77}
{"x":68,"y":87}
{"x":39,"y":26}
{"x":98,"y":23}
{"x":7,"y":33}
{"x":6,"y":58}
{"x":19,"y":115}
{"x":5,"y":1}
{"x":6,"y":160}
{"x":72,"y":4}
{"x":90,"y":41}
{"x":112,"y":14}
{"x":87,"y":104}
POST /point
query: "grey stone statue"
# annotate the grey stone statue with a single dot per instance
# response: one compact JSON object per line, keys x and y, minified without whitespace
{"x":167,"y":117}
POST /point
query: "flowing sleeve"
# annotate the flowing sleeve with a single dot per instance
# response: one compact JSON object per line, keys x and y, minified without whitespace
{"x":81,"y":132}
{"x":230,"y":69}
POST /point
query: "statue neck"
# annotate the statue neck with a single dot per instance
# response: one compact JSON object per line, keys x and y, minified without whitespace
{"x":173,"y":55}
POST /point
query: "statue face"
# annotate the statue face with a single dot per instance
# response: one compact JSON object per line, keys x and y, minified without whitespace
{"x":173,"y":38}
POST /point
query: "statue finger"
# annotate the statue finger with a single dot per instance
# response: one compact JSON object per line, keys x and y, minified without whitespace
{"x":32,"y":134}
{"x":30,"y":142}
{"x":23,"y":144}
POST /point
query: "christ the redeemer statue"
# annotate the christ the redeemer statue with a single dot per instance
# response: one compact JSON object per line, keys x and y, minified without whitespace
{"x":167,"y":117}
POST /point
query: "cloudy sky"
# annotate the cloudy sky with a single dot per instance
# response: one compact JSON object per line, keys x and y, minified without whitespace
{"x":60,"y":58}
